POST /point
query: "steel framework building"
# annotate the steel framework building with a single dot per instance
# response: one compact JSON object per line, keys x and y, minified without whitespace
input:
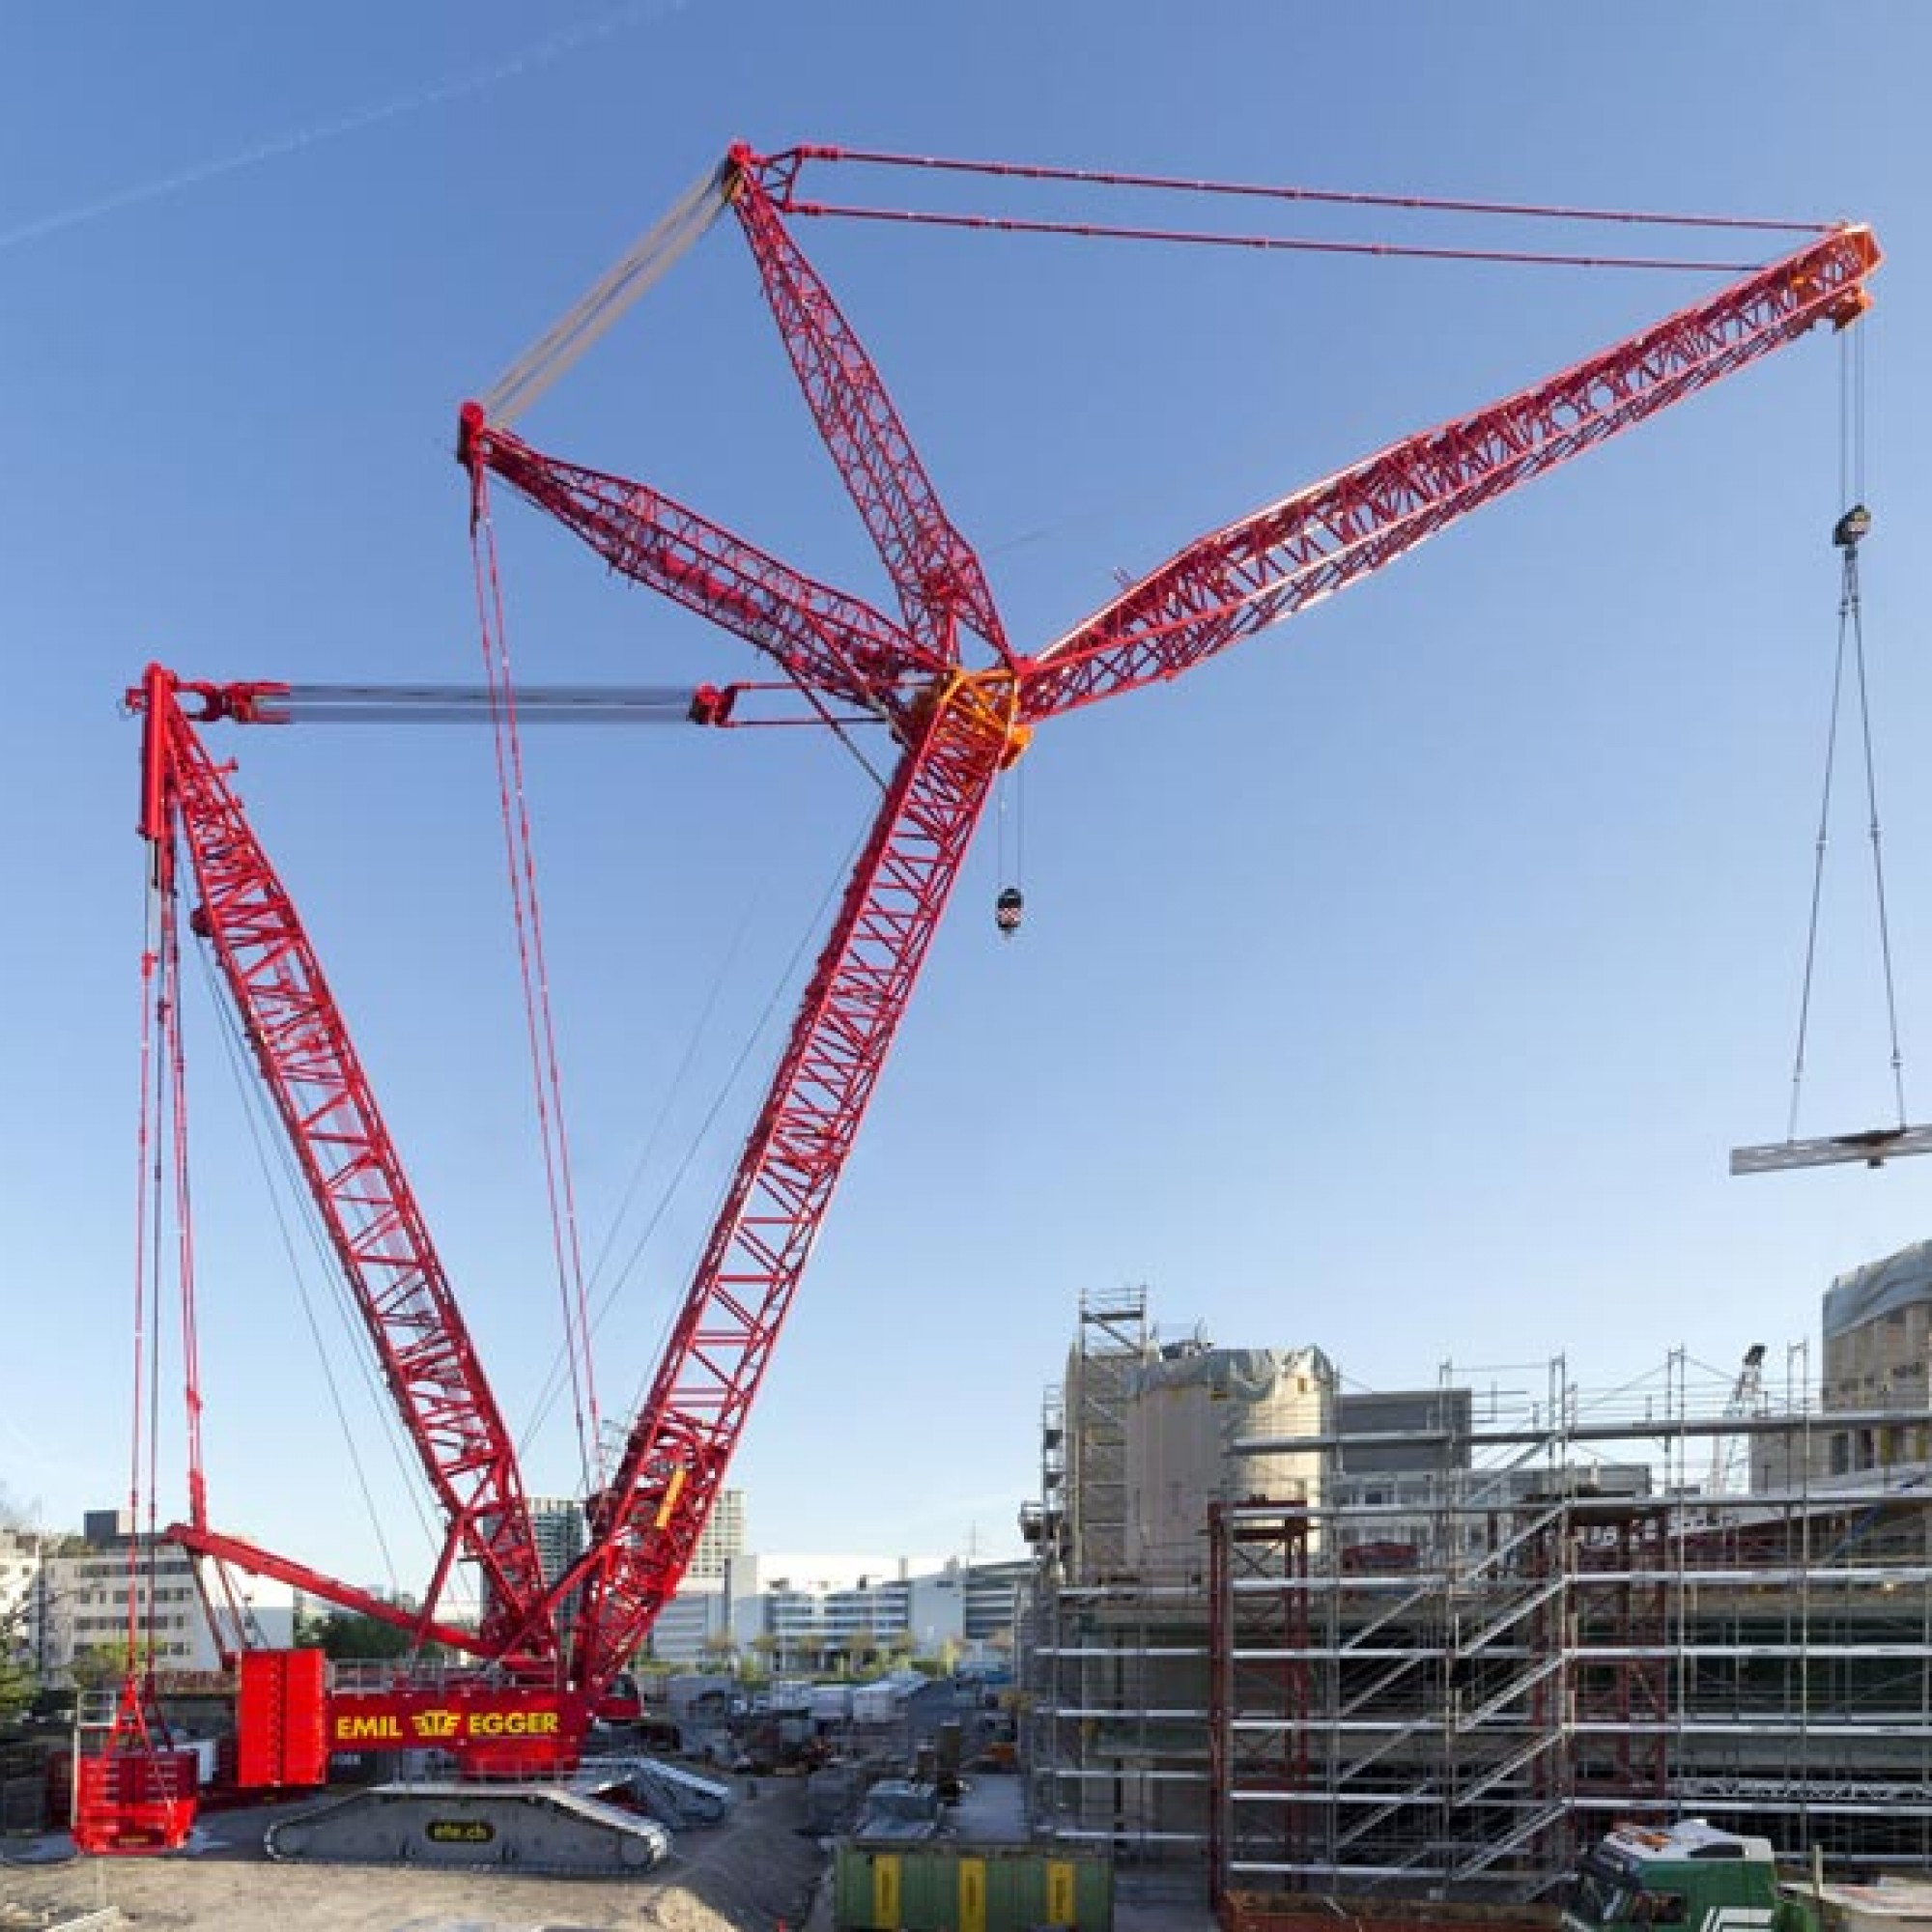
{"x":1454,"y":1697}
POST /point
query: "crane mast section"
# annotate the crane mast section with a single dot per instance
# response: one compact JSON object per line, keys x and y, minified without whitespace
{"x":937,"y":572}
{"x":820,"y":636}
{"x":1282,"y":559}
{"x":678,"y":1449}
{"x":354,"y":1175}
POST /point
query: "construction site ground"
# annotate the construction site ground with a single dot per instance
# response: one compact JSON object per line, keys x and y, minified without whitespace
{"x":757,"y":1871}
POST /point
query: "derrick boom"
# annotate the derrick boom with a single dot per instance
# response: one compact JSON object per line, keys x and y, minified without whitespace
{"x":646,"y":1525}
{"x":817,"y":636}
{"x":935,"y":570}
{"x":354,"y":1173}
{"x":1236,"y":580}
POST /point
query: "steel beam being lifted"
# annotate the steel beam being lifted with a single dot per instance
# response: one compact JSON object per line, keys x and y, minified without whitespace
{"x":1874,"y":1148}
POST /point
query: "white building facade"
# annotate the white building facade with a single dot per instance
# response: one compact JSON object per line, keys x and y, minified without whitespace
{"x":798,"y":1610}
{"x":90,"y":1600}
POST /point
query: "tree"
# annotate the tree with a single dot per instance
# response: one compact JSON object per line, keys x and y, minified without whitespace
{"x":18,"y":1683}
{"x":96,"y":1667}
{"x":346,"y":1633}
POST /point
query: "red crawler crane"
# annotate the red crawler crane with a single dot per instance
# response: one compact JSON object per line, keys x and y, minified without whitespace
{"x":956,"y":727}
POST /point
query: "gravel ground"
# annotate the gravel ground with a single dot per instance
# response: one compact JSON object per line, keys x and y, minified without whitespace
{"x":750,"y":1874}
{"x":754,"y":1873}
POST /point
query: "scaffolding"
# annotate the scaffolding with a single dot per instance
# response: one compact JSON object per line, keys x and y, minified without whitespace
{"x":1117,"y":1739}
{"x":1461,"y":1707}
{"x":1111,"y":1345}
{"x":1548,"y":1615}
{"x":1113,"y":1644}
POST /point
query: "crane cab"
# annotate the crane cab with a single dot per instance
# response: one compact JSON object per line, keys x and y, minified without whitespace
{"x":1689,"y":1875}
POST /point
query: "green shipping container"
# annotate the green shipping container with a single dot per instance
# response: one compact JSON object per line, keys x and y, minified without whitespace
{"x":899,"y":1887}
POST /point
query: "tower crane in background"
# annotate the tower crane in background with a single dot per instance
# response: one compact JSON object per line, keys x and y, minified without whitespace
{"x":1747,"y":1396}
{"x":960,"y":700}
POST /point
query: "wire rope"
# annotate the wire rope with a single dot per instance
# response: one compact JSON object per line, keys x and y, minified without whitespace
{"x":548,"y":1393}
{"x":1851,"y":414}
{"x":263,"y":1135}
{"x":1009,"y":823}
{"x":129,"y":1728}
{"x":149,"y":1234}
{"x":172,"y":1071}
{"x":1874,"y":829}
{"x":1305,"y":245}
{"x":1019,"y":777}
{"x":634,"y":1257}
{"x":1276,"y":191}
{"x":1848,"y":535}
{"x":1821,"y":844}
{"x":828,"y":716}
{"x":528,"y":917}
{"x":785,"y":979}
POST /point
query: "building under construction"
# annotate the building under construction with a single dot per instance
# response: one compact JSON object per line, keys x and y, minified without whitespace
{"x":1438,"y":1641}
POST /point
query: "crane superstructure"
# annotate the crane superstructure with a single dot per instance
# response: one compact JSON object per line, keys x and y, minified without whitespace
{"x":960,"y":702}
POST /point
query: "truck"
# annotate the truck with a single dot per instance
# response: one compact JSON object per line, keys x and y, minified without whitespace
{"x":1701,"y":1878}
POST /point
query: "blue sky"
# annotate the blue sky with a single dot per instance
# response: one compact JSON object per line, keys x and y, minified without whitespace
{"x":1396,"y":984}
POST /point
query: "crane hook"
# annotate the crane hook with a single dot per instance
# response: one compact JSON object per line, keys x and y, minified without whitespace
{"x":1008,"y":909}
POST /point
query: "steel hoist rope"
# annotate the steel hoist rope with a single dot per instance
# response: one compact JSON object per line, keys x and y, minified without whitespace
{"x":1847,"y":534}
{"x":293,"y":1208}
{"x":527,"y":918}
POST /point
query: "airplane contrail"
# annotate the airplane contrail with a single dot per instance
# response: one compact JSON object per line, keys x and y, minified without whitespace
{"x":540,"y":53}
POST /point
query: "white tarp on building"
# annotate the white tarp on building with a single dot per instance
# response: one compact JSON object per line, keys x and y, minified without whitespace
{"x":1185,"y":1412}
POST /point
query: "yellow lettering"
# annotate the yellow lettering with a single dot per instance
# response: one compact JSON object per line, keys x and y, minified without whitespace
{"x":514,"y":1724}
{"x":380,"y":1729}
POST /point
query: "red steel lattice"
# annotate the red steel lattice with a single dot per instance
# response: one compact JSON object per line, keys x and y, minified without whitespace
{"x":956,"y":730}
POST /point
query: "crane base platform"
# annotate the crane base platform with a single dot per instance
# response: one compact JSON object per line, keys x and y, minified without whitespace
{"x":540,"y":1829}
